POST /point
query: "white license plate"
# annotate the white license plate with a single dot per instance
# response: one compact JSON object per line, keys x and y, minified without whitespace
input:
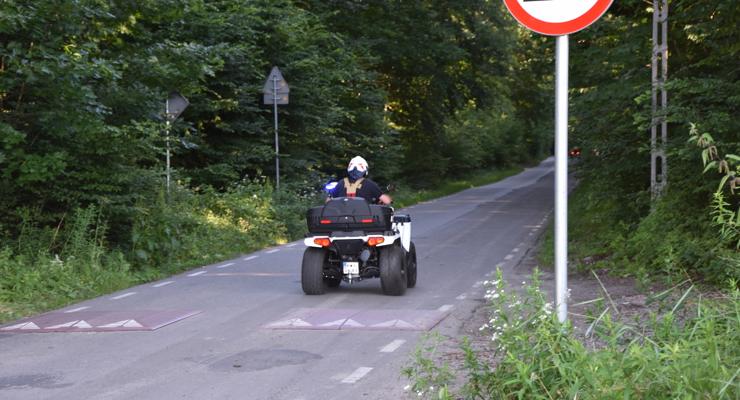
{"x":351,"y":267}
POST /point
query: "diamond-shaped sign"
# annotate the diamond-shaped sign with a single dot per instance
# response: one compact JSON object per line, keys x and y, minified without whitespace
{"x":176,"y":104}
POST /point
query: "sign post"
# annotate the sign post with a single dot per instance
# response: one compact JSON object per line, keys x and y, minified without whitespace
{"x":276,"y":92}
{"x":559,"y":18}
{"x":173,"y":107}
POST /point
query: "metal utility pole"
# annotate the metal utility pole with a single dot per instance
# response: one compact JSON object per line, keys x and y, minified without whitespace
{"x":658,"y":160}
{"x":276,"y":91}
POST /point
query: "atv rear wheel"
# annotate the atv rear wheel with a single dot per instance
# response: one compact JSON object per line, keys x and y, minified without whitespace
{"x":392,"y":271}
{"x":312,"y":271}
{"x":411,"y":266}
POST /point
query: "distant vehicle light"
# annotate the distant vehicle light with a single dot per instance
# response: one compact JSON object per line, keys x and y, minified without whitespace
{"x":330,"y":186}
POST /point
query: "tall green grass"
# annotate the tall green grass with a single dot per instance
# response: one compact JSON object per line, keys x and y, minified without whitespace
{"x":46,"y":268}
{"x":689,"y":351}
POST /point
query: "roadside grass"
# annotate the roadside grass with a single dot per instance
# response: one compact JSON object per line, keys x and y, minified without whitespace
{"x":406,"y":196}
{"x":686,"y":349}
{"x":47,"y":268}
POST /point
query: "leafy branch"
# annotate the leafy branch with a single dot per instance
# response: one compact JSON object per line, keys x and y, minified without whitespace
{"x":728,"y":165}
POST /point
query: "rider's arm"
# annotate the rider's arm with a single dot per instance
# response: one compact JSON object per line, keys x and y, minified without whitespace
{"x":385,"y":199}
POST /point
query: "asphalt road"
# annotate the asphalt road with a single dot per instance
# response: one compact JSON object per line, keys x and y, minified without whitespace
{"x":255,"y":335}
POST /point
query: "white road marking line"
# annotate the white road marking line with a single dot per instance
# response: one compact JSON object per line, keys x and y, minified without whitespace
{"x":515,"y":250}
{"x":462,"y":297}
{"x":119,"y":297}
{"x":291,"y":245}
{"x":225,"y":265}
{"x":76,"y":309}
{"x":392,"y":346}
{"x":509,"y":257}
{"x":357,"y":375}
{"x":250,"y":258}
{"x":446,"y":307}
{"x":163,"y":284}
{"x":197,"y":273}
{"x":272,"y":251}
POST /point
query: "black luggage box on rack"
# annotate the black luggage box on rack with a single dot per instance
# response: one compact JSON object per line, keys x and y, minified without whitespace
{"x":349,"y":214}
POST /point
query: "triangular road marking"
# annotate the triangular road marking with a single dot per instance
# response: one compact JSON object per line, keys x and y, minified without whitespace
{"x":132,"y":324}
{"x":82,"y":325}
{"x":351,"y":322}
{"x":30,"y":325}
{"x":394,"y":323}
{"x":334,"y":323}
{"x":64,"y":325}
{"x":116,"y":324}
{"x":298,"y":322}
{"x":22,"y":325}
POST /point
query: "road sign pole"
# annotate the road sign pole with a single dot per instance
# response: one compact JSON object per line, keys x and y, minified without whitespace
{"x":277,"y":145}
{"x":561,"y":176}
{"x":167,"y":146}
{"x":559,"y":18}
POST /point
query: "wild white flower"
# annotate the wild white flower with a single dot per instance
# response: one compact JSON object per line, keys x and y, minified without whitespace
{"x":484,"y":327}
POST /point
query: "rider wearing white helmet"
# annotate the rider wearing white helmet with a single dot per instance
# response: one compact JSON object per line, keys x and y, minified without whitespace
{"x":357,"y":184}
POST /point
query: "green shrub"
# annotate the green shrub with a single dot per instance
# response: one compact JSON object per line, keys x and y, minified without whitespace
{"x":687,"y":352}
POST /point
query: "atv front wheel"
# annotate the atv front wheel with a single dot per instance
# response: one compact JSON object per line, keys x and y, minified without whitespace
{"x":312,"y":271}
{"x":411,"y":266}
{"x":392,"y":271}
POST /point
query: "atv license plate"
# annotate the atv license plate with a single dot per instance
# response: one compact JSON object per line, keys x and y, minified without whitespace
{"x":351,"y":267}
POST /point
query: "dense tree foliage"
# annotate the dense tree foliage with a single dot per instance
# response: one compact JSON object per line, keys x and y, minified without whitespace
{"x":424,"y":89}
{"x":83,"y":83}
{"x":611,"y":119}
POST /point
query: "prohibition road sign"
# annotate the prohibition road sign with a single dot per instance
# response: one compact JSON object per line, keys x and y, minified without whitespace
{"x":557,"y":17}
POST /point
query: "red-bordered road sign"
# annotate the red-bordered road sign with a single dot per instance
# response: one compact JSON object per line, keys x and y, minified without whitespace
{"x":557,"y":17}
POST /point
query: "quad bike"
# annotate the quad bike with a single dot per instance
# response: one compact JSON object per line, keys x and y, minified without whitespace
{"x":351,"y":240}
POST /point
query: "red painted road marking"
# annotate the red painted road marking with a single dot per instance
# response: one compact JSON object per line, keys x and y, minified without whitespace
{"x":347,"y":319}
{"x":98,"y":321}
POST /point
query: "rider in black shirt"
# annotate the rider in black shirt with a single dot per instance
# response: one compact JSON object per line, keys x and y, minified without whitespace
{"x":356,"y":184}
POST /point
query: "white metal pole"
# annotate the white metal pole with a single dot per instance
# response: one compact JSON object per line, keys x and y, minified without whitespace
{"x":277,"y":146}
{"x":561,"y":176}
{"x":167,"y":142}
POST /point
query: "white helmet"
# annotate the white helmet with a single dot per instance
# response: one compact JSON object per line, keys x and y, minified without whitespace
{"x":359,"y":163}
{"x":357,"y":167}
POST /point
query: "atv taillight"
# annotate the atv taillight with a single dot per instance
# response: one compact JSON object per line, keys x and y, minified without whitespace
{"x":375,"y":240}
{"x":325,"y":221}
{"x":367,"y":221}
{"x":323,"y":242}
